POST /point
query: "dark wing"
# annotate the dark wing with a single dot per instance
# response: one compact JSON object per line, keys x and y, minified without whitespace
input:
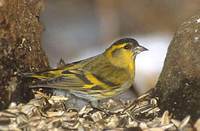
{"x":76,"y":77}
{"x":76,"y":80}
{"x":55,"y":73}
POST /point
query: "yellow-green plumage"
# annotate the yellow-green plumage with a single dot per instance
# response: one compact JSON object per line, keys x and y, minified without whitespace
{"x":98,"y":77}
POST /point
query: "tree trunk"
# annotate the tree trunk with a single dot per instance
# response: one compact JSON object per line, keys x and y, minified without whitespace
{"x":20,"y":46}
{"x":178,"y":87}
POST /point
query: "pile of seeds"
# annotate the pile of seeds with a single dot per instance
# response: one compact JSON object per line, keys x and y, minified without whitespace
{"x":50,"y":113}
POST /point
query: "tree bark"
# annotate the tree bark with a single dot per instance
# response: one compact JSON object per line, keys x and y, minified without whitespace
{"x":20,"y":46}
{"x":178,"y":87}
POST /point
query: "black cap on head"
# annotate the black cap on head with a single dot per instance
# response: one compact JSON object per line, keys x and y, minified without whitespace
{"x":126,"y":40}
{"x":130,"y":43}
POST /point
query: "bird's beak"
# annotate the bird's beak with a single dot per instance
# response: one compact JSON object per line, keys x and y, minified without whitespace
{"x":140,"y":49}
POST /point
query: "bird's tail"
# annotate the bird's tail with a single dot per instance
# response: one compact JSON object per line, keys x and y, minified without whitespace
{"x":25,"y":75}
{"x":30,"y":76}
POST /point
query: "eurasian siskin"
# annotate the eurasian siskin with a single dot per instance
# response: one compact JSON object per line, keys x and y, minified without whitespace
{"x":102,"y":76}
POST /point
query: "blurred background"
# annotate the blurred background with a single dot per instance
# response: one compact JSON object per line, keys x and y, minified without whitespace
{"x":77,"y":29}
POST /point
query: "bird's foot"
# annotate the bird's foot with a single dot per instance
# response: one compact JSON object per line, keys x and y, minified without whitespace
{"x":96,"y":106}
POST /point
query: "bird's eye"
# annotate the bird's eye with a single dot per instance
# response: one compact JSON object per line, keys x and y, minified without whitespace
{"x":127,"y":47}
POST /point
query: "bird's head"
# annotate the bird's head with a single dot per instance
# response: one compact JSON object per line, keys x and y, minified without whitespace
{"x":122,"y":52}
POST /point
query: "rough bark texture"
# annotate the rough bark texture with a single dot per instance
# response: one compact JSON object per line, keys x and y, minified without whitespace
{"x":178,"y":87}
{"x":20,"y":47}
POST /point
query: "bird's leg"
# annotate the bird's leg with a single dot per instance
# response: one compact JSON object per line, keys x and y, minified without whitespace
{"x":95,"y":105}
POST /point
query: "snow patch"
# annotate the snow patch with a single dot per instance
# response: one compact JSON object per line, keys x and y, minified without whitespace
{"x":198,"y":20}
{"x":196,"y":39}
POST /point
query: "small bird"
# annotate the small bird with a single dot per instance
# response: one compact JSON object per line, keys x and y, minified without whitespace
{"x":95,"y":78}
